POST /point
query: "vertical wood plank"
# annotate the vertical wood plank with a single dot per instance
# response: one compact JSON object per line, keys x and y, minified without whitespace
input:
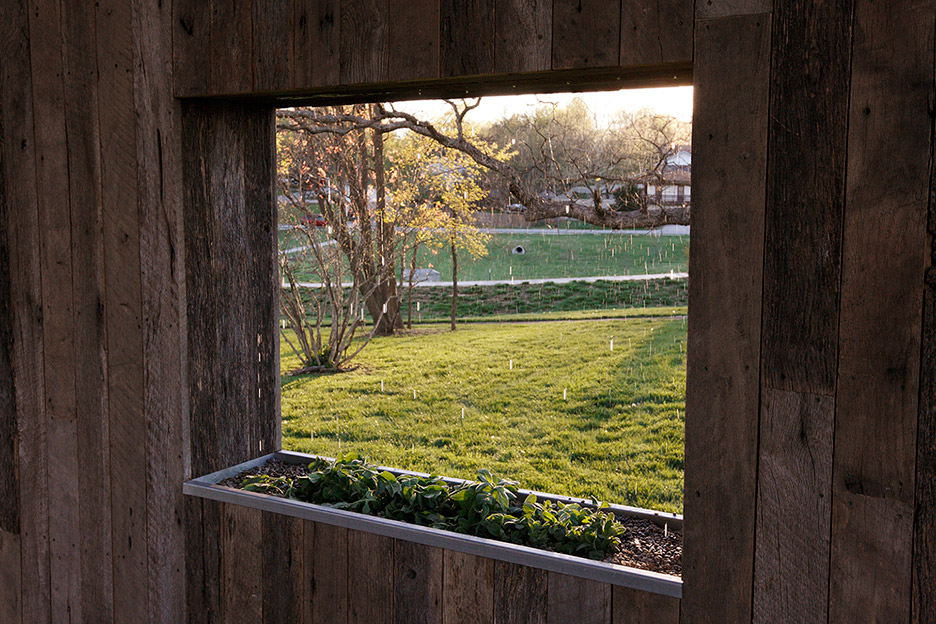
{"x":162,"y":281}
{"x":722,"y":390}
{"x":11,"y":589}
{"x":413,"y":39}
{"x":924,"y":527}
{"x":19,"y":156}
{"x":326,"y":571}
{"x":579,"y":600}
{"x":363,"y":48}
{"x":794,"y":493}
{"x":231,"y":52}
{"x":9,"y":462}
{"x":370,"y":578}
{"x":317,"y":25}
{"x":273,"y":48}
{"x":630,"y":606}
{"x":522,"y":35}
{"x":46,"y":52}
{"x":657,"y":32}
{"x":467,"y":37}
{"x":586,"y":33}
{"x":468,"y":590}
{"x":191,"y":39}
{"x":520,"y":594}
{"x":196,"y":603}
{"x":127,"y":426}
{"x":883,"y":262}
{"x":241,"y":564}
{"x":417,"y":586}
{"x":262,"y":277}
{"x":807,"y":141}
{"x":282,"y":545}
{"x":202,"y":299}
{"x":83,"y":138}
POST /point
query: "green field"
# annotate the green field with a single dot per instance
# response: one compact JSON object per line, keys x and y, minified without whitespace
{"x":566,"y":255}
{"x":546,"y":255}
{"x":617,"y":434}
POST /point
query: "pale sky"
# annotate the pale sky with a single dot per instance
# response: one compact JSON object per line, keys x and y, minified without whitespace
{"x":675,"y":101}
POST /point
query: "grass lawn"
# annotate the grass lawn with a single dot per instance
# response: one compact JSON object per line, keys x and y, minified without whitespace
{"x":546,"y":255}
{"x":567,"y":255}
{"x":618,"y":434}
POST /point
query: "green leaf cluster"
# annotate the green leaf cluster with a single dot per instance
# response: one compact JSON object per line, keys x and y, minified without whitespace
{"x":488,"y":508}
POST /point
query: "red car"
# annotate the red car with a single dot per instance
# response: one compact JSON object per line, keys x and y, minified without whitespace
{"x":314,"y":221}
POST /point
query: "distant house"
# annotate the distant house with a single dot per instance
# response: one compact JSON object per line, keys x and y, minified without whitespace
{"x":671,"y":183}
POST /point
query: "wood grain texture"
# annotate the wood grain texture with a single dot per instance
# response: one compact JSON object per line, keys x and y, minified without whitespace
{"x":317,"y":28}
{"x":89,"y":332}
{"x":11,"y":588}
{"x":46,"y":55}
{"x":282,"y":569}
{"x":468,"y":591}
{"x":467,"y":37}
{"x":191,"y":39}
{"x":370,"y":578}
{"x":417,"y":588}
{"x":413,"y":39}
{"x":258,"y":127}
{"x":241,"y":564}
{"x":363,"y":49}
{"x":202,"y":299}
{"x":807,"y":143}
{"x":586,"y":33}
{"x":326,"y":570}
{"x":122,"y":313}
{"x":707,"y":9}
{"x":722,"y":389}
{"x":19,"y":156}
{"x":273,"y":46}
{"x":889,"y":127}
{"x":522,"y":35}
{"x":9,"y":462}
{"x":660,"y":32}
{"x":573,"y":599}
{"x":630,"y":606}
{"x":162,"y":282}
{"x":924,"y":528}
{"x":519,"y":594}
{"x":794,"y":493}
{"x":231,"y":50}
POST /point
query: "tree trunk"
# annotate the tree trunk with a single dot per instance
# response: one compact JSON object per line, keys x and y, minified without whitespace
{"x":409,"y":293}
{"x":454,"y":283}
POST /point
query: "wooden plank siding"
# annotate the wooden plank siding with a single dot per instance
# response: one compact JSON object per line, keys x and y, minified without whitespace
{"x":308,"y":46}
{"x":137,"y":302}
{"x":723,"y":385}
{"x":877,"y":395}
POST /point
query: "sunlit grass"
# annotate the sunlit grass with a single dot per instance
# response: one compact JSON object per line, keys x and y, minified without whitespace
{"x":617,"y":434}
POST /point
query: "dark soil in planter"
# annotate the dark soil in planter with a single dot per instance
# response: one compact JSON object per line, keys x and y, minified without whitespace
{"x":645,"y":546}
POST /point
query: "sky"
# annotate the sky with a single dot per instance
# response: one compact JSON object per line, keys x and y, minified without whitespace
{"x":675,"y":101}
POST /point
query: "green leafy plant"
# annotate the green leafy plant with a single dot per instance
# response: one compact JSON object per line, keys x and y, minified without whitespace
{"x":487,"y":508}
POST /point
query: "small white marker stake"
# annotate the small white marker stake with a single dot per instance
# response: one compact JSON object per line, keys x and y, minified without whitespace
{"x":261,"y":446}
{"x":665,"y":529}
{"x":564,"y":396}
{"x":463,"y":413}
{"x":612,"y":344}
{"x":381,"y":385}
{"x":414,"y":394}
{"x":385,"y":308}
{"x":417,"y":306}
{"x":510,"y":366}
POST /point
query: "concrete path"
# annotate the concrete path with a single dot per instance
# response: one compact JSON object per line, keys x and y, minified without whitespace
{"x":544,"y":280}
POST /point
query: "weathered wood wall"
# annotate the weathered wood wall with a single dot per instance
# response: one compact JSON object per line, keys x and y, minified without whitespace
{"x":813,"y":144}
{"x":281,"y":569}
{"x":810,"y":484}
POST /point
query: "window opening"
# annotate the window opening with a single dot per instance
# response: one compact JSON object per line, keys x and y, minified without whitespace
{"x":550,"y":232}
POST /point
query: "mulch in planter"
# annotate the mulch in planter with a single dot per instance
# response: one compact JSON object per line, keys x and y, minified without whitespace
{"x":645,"y":546}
